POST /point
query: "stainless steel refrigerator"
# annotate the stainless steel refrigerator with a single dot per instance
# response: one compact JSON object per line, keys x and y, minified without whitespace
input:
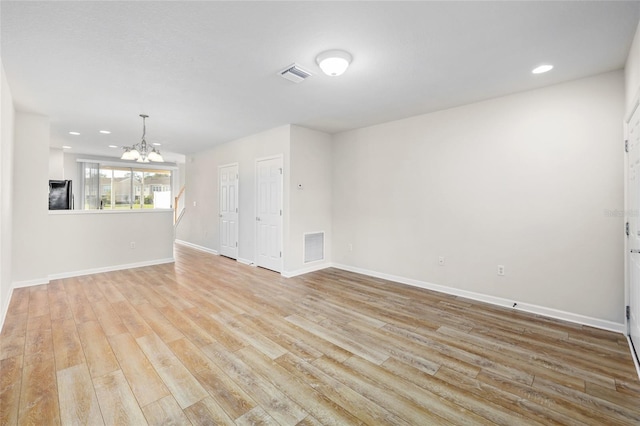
{"x":60,"y":195}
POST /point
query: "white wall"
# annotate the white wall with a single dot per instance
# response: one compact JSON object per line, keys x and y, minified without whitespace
{"x":181,"y":176}
{"x":310,"y":207}
{"x":7,"y":113}
{"x":522,"y":181}
{"x":71,"y":172}
{"x":30,"y":198}
{"x":82,"y":241}
{"x":632,"y":72}
{"x":200,"y":225}
{"x":56,"y":164}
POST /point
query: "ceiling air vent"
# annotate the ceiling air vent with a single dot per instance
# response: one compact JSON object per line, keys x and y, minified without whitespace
{"x":294,"y":73}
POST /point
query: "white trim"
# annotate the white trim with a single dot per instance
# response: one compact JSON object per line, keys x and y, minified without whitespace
{"x":110,"y":268}
{"x":246,"y":262}
{"x":271,"y":157}
{"x":572,"y":317}
{"x":222,"y":166}
{"x":291,"y":274}
{"x":635,"y":104}
{"x":627,"y":253}
{"x":19,"y":284}
{"x":197,"y":247}
{"x":30,"y":283}
{"x":499,"y":301}
{"x":6,"y":309}
{"x":633,"y":356}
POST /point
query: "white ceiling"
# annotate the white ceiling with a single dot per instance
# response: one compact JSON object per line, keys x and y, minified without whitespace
{"x":206,"y":72}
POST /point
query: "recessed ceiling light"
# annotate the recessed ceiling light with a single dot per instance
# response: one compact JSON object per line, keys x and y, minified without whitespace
{"x":156,"y":144}
{"x":105,"y":132}
{"x":66,"y":147}
{"x":113,"y":146}
{"x":74,"y":133}
{"x":542,"y":69}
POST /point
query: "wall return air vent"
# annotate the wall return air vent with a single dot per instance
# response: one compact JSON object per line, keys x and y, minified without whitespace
{"x":294,"y":73}
{"x":313,"y":247}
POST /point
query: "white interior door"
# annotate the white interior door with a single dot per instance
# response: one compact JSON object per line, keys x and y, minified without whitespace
{"x":229,"y":210}
{"x":269,"y":214}
{"x":633,"y":206}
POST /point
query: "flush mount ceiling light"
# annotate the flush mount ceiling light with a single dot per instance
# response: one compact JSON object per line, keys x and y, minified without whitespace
{"x":542,"y":69}
{"x":105,"y":132}
{"x":74,"y":133}
{"x":334,"y":62}
{"x":141,"y":152}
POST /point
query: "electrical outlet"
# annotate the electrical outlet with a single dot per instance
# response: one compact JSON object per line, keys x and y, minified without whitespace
{"x":194,"y":204}
{"x":350,"y":247}
{"x":501,"y":270}
{"x":441,"y":261}
{"x":132,"y":244}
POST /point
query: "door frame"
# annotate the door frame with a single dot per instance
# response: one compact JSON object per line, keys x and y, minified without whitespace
{"x":627,"y":251}
{"x":220,"y":167}
{"x":255,"y":208}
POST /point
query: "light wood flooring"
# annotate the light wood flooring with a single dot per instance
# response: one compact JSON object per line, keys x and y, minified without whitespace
{"x":210,"y":341}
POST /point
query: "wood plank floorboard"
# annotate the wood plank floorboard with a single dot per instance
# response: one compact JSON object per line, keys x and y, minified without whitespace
{"x":207,"y":340}
{"x":78,"y":403}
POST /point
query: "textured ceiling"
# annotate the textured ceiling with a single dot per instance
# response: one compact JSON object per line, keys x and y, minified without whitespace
{"x":206,"y":72}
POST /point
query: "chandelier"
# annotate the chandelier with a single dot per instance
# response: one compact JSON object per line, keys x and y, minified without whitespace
{"x":142,"y":152}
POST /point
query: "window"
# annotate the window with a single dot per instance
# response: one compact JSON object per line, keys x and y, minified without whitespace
{"x":90,"y":186}
{"x":117,"y":187}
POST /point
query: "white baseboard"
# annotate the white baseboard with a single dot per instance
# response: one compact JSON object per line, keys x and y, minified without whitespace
{"x":30,"y":283}
{"x":248,"y":262}
{"x":499,"y":301}
{"x":110,"y":268}
{"x":291,"y":274}
{"x":196,"y":246}
{"x":212,"y":251}
{"x":19,"y":284}
{"x":5,"y":309}
{"x":571,"y":317}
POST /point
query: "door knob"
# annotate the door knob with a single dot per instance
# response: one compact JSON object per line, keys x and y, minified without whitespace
{"x":635,"y":250}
